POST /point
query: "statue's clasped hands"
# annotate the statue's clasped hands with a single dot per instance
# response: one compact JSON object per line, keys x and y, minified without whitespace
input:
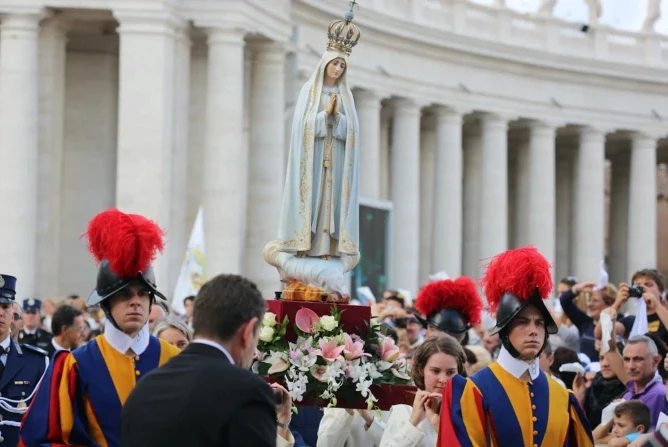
{"x":333,"y":106}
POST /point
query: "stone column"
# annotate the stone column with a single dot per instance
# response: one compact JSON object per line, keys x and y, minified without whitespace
{"x":589,"y":194}
{"x":542,"y":189}
{"x":146,"y":120}
{"x":19,"y":126}
{"x":225,"y":170}
{"x":564,"y":207}
{"x":494,"y":186}
{"x":471,"y":207}
{"x":619,"y":218}
{"x":179,"y":224}
{"x":427,"y":193}
{"x":405,"y":193}
{"x":448,"y":193}
{"x":642,"y":205}
{"x":52,"y":43}
{"x":368,"y":112}
{"x":267,"y":160}
{"x":385,"y":149}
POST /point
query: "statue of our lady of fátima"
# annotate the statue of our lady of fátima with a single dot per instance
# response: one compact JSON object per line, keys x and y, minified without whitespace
{"x":320,"y":213}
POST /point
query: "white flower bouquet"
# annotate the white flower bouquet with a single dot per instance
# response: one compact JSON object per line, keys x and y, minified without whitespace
{"x":326,"y":364}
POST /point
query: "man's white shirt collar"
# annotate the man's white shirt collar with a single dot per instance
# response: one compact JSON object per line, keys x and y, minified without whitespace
{"x":217,"y":346}
{"x":57,"y":346}
{"x":30,"y":331}
{"x":121,"y":342}
{"x":6,"y":342}
{"x":517,"y":367}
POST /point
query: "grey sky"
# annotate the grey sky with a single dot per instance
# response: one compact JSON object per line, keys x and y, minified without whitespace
{"x":623,"y":14}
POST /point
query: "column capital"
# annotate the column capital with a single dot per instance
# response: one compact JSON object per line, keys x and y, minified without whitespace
{"x":366,"y":97}
{"x":592,"y":133}
{"x":147,"y":22}
{"x":268,"y":50}
{"x":641,"y":140}
{"x":23,"y":18}
{"x":489,"y":119}
{"x":57,"y":25}
{"x":449,"y":111}
{"x":225,"y":34}
{"x":405,"y":106}
{"x":543,"y":127}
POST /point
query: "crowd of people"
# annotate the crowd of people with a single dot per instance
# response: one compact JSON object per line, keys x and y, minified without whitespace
{"x":514,"y":370}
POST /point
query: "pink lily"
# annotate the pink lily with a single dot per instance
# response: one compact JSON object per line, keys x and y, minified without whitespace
{"x":329,"y":350}
{"x":353,"y":349}
{"x":389,"y":352}
{"x":305,"y":319}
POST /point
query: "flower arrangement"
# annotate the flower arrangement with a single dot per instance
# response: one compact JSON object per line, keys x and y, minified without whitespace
{"x":326,"y":362}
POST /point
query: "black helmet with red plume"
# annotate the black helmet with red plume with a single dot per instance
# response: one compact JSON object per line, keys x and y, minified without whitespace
{"x":514,"y":280}
{"x":124,"y":245}
{"x":451,"y":306}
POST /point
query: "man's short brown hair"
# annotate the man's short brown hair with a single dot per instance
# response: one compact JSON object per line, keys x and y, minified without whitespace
{"x":439,"y":342}
{"x":637,"y":411}
{"x":654,"y":275}
{"x":224,"y":304}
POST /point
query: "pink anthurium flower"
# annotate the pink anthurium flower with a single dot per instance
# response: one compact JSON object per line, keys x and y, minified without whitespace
{"x":352,"y":349}
{"x":329,"y":349}
{"x":389,"y":352}
{"x":278,"y":367}
{"x":305,"y":319}
{"x":399,"y":374}
{"x":319,"y":372}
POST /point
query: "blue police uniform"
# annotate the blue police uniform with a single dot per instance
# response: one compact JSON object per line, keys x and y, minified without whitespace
{"x":21,"y":370}
{"x":37,"y":337}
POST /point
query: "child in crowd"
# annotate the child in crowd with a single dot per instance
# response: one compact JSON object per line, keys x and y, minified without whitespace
{"x":631,"y":419}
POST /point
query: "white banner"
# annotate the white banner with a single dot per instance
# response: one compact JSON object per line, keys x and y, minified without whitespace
{"x":193,"y":270}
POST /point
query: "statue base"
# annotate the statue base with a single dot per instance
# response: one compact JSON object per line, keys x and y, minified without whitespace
{"x":296,"y":291}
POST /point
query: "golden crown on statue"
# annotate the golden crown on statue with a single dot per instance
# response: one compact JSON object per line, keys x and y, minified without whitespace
{"x":344,"y":34}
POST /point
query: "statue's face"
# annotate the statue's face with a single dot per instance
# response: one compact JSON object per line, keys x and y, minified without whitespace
{"x":335,"y":69}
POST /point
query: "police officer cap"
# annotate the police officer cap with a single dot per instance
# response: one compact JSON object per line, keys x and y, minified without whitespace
{"x":7,"y":289}
{"x":32,"y":305}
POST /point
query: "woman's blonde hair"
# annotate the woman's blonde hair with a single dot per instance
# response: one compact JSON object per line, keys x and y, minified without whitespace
{"x":172,"y":322}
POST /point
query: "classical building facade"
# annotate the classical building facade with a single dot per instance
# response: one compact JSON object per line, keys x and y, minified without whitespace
{"x":484,"y":128}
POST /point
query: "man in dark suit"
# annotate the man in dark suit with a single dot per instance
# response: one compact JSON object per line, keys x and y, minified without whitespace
{"x":207,"y":396}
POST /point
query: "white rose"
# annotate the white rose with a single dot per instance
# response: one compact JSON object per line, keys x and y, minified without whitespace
{"x":267,"y":334}
{"x":328,"y":323}
{"x":269,"y":319}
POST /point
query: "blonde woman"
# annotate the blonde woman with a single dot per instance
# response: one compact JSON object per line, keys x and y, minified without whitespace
{"x":173,"y":331}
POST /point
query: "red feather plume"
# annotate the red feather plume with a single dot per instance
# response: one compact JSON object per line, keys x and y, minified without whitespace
{"x":129,"y":242}
{"x":519,"y":272}
{"x":460,"y":295}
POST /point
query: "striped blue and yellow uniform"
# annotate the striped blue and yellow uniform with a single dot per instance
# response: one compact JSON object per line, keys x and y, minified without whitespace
{"x":80,"y":399}
{"x":493,"y":408}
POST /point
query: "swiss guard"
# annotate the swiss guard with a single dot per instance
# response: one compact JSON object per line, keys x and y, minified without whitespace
{"x":83,"y":392}
{"x":450,"y":306}
{"x":21,"y":368}
{"x":512,"y":403}
{"x":32,"y":334}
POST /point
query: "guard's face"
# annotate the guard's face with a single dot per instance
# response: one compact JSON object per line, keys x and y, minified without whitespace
{"x":527,"y":332}
{"x":335,"y":69}
{"x":31,"y":319}
{"x":130,"y":308}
